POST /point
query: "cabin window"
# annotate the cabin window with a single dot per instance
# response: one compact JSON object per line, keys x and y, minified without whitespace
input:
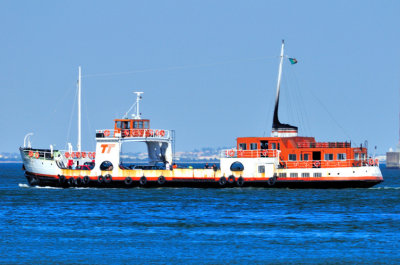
{"x":140,"y":125}
{"x":273,"y":145}
{"x":341,"y":156}
{"x":292,"y":157}
{"x":328,"y":156}
{"x":282,"y":175}
{"x":293,"y":175}
{"x":125,"y":125}
{"x":135,"y":124}
{"x":362,"y":156}
{"x":317,"y":175}
{"x":306,"y":157}
{"x":357,"y":156}
{"x":261,"y":169}
{"x":253,"y":146}
{"x":242,"y":146}
{"x":119,"y":124}
{"x":305,"y":175}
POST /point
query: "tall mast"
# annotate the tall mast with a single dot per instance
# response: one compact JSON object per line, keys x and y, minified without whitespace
{"x":278,"y":87}
{"x":79,"y":110}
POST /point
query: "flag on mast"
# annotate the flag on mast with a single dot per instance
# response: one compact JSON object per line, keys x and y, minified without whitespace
{"x":292,"y":60}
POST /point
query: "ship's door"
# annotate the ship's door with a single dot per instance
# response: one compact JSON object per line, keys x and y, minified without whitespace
{"x":263,"y":146}
{"x":316,"y":155}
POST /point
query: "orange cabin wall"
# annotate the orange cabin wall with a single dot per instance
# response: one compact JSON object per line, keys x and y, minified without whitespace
{"x":289,"y":145}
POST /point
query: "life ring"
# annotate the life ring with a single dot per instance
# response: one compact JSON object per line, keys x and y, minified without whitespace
{"x":73,"y":154}
{"x":143,"y":181}
{"x":371,"y":162}
{"x":149,"y":133}
{"x":231,"y":153}
{"x":37,"y":155}
{"x":86,"y":180}
{"x":126,"y":133}
{"x":84,"y":154}
{"x":222,"y":181}
{"x":78,"y":154}
{"x":128,"y":181}
{"x":107,"y":179}
{"x":161,"y":180}
{"x":71,"y":181}
{"x":377,"y":162}
{"x":265,"y":153}
{"x":30,"y":153}
{"x":94,"y":155}
{"x":317,"y":164}
{"x":162,"y":133}
{"x":240,"y":181}
{"x":100,"y":179}
{"x":271,"y":181}
{"x":78,"y":181}
{"x":106,"y":133}
{"x":231,"y":179}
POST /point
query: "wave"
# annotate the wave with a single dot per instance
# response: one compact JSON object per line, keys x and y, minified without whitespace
{"x":385,"y":188}
{"x":21,"y":185}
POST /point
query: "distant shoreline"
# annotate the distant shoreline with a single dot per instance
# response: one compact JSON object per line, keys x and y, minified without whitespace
{"x":10,"y":162}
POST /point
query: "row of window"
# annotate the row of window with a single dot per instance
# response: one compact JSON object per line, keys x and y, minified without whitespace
{"x":136,"y":124}
{"x":306,"y":157}
{"x":254,"y":146}
{"x":303,"y":175}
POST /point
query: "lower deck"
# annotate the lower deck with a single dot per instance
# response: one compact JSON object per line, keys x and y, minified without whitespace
{"x":206,"y":178}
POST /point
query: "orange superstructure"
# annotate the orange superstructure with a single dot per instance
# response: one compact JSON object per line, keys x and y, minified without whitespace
{"x":305,"y":152}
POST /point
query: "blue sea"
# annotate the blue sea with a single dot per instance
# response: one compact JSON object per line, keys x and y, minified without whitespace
{"x":198,"y":226}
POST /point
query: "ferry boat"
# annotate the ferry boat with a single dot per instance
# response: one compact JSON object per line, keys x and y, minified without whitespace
{"x":283,"y":160}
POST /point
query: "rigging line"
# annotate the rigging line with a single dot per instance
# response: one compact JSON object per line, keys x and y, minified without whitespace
{"x":306,"y":119}
{"x":326,"y":109}
{"x":70,"y":118}
{"x":302,"y":113}
{"x":92,"y":141}
{"x":67,"y":91}
{"x":177,"y":67}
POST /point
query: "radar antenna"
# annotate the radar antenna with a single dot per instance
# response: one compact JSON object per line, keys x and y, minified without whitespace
{"x":137,"y":115}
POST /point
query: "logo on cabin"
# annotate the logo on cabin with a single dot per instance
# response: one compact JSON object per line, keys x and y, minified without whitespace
{"x":106,"y":147}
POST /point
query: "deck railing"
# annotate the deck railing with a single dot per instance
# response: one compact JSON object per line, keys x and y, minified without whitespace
{"x":329,"y":163}
{"x":249,"y":153}
{"x":48,"y":155}
{"x":324,"y":145}
{"x":133,"y":133}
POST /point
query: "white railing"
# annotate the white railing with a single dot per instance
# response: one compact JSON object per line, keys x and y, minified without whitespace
{"x":133,"y":133}
{"x":234,"y":153}
{"x":48,"y":155}
{"x":329,"y":163}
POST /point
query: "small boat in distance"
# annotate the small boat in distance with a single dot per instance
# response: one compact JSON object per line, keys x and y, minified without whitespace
{"x":283,"y":160}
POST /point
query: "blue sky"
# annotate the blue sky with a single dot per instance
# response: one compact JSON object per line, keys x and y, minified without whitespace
{"x":210,"y":69}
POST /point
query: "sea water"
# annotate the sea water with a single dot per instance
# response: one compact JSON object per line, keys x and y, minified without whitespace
{"x":198,"y":226}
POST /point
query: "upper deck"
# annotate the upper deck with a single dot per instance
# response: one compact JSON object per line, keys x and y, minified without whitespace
{"x":305,"y":151}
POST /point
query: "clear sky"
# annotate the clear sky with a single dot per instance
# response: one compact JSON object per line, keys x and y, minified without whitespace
{"x":208,"y":69}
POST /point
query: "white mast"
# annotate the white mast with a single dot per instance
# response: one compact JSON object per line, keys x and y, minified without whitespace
{"x":138,"y":98}
{"x":279,"y":74}
{"x":79,"y":110}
